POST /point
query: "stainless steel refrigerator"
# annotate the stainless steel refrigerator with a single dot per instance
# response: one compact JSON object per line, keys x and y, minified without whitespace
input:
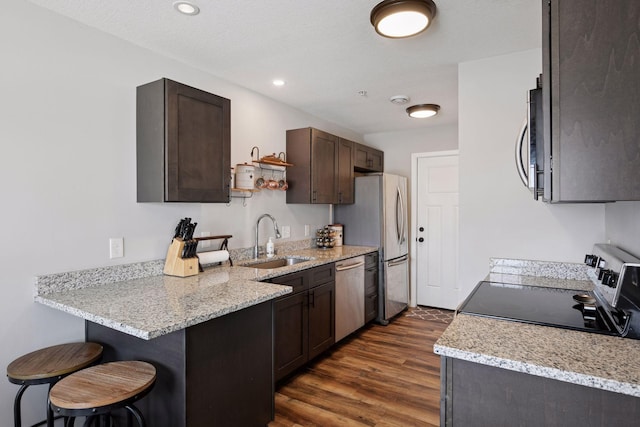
{"x":379,"y":218}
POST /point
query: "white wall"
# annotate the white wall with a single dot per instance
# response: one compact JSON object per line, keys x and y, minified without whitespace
{"x":498,"y":216}
{"x":398,"y":146}
{"x":623,"y":225}
{"x":68,"y":175}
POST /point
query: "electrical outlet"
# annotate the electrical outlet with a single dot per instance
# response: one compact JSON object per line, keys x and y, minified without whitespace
{"x":205,"y":243}
{"x":306,"y":230}
{"x":286,"y":231}
{"x":116,"y":247}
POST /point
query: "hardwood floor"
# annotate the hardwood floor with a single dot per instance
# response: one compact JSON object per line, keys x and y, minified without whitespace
{"x":381,"y":376}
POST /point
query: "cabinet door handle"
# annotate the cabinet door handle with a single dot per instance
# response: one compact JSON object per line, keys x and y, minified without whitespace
{"x":312,"y":299}
{"x":343,"y":267}
{"x":313,"y":195}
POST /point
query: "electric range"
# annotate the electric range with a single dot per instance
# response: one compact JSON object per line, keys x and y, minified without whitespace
{"x":611,"y":308}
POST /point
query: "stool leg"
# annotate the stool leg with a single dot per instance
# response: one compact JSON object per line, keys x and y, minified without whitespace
{"x":49,"y":410}
{"x":17,"y":416}
{"x":136,"y":413}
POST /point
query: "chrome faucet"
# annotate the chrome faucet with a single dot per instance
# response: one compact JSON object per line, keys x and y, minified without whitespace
{"x":275,"y":228}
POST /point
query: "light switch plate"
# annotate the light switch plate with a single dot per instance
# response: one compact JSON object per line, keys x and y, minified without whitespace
{"x":116,"y":247}
{"x":286,"y":231}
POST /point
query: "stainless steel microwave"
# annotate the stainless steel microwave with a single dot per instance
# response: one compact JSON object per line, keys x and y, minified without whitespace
{"x":530,"y":144}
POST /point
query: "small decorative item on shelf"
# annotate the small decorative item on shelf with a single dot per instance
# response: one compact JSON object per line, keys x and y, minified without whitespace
{"x":325,"y":238}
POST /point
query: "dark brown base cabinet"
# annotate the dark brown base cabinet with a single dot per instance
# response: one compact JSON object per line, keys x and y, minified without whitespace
{"x":216,"y":373}
{"x":478,"y":395}
{"x":304,"y":322}
{"x":370,"y":287}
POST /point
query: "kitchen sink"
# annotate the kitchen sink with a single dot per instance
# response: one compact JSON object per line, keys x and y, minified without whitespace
{"x":276,"y":263}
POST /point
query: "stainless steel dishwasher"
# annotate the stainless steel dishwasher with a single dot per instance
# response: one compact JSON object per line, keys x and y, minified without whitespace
{"x":349,"y":296}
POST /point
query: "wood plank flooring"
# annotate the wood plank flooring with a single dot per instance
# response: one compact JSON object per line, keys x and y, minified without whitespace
{"x":382,"y":376}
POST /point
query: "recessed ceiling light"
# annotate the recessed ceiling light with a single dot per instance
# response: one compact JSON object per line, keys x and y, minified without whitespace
{"x":422,"y":111}
{"x":186,"y":8}
{"x":278,"y":82}
{"x":402,"y":18}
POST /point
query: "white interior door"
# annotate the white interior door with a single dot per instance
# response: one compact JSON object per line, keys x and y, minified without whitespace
{"x":436,"y":231}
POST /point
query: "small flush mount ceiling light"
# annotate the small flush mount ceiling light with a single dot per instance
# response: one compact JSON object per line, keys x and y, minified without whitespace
{"x":402,"y":18}
{"x":399,"y":99}
{"x":278,"y":82}
{"x":422,"y":111}
{"x":186,"y":8}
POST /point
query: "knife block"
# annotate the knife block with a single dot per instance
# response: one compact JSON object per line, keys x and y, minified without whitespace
{"x":175,"y":265}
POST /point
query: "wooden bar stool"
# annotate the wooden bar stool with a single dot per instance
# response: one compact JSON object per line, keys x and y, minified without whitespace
{"x":48,"y":366}
{"x":100,"y":389}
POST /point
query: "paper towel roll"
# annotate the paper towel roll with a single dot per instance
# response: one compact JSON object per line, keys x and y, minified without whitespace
{"x":212,"y":257}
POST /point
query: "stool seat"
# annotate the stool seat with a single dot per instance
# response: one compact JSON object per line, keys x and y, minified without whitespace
{"x":47,"y":364}
{"x":102,"y":387}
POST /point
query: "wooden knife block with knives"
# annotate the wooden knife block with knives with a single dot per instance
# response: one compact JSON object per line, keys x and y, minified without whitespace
{"x":175,"y":265}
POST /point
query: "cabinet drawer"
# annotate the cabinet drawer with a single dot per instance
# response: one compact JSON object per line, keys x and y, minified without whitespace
{"x":298,"y":281}
{"x":323,"y":274}
{"x":371,"y":280}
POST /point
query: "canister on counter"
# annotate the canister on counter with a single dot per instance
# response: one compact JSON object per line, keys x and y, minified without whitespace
{"x":338,"y":233}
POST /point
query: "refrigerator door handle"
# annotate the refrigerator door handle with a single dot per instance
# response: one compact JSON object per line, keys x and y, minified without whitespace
{"x":398,"y":261}
{"x":400,"y":216}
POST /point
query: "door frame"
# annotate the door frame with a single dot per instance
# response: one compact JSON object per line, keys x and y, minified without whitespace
{"x":414,"y":215}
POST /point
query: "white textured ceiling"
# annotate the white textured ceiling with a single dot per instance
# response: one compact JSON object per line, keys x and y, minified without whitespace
{"x":326,"y":50}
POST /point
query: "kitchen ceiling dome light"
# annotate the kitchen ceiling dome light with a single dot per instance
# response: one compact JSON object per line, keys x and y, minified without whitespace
{"x":422,"y":111}
{"x":402,"y":18}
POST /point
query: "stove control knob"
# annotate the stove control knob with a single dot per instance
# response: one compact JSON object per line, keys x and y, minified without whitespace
{"x":606,"y":277}
{"x":601,"y":272}
{"x":590,"y":260}
{"x":610,"y":279}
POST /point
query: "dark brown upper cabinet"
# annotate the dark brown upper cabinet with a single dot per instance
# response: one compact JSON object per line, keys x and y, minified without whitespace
{"x":345,"y":171}
{"x":183,"y":144}
{"x":323,"y":167}
{"x":368,"y":159}
{"x":591,"y":97}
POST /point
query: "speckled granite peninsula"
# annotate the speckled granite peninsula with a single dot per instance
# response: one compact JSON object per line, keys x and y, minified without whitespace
{"x":536,"y":364}
{"x":138,"y":300}
{"x":210,"y":336}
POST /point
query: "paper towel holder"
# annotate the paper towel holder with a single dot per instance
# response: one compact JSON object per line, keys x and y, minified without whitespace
{"x":223,"y":246}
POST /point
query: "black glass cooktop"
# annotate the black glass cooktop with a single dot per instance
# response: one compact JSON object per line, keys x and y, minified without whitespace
{"x":536,"y":305}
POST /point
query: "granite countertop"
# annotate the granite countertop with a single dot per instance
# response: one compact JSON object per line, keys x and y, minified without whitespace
{"x":155,"y":305}
{"x":589,"y":359}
